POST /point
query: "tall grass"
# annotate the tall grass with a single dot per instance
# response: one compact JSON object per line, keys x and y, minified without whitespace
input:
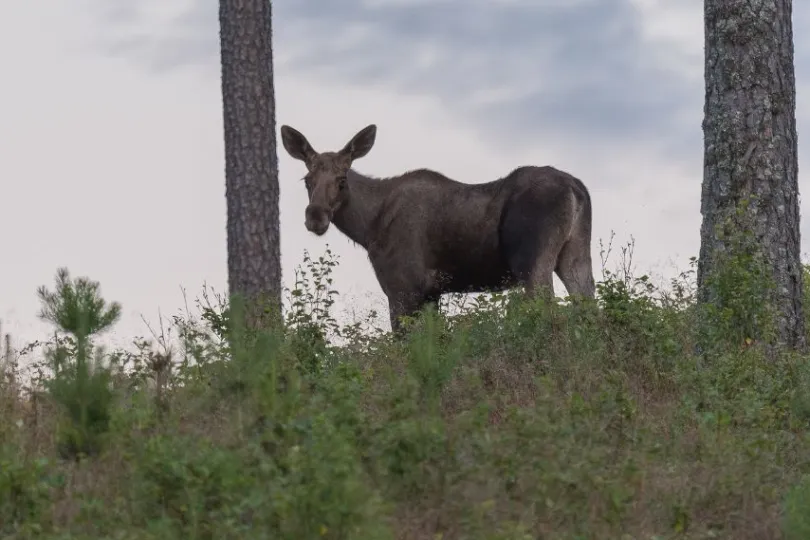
{"x":511,"y":419}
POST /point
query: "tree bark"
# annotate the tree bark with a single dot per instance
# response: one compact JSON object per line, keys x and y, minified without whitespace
{"x":750,"y":146}
{"x":251,"y":161}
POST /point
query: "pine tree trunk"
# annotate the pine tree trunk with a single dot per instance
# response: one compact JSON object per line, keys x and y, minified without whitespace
{"x":750,"y":150}
{"x":251,"y":161}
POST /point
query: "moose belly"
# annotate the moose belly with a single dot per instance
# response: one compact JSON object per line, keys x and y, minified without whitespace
{"x":472,"y":271}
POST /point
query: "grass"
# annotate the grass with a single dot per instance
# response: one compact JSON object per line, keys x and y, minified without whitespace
{"x":509,"y":420}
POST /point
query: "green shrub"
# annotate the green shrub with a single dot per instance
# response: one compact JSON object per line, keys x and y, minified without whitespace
{"x":797,"y":510}
{"x":81,"y":381}
{"x":24,"y":494}
{"x":503,"y":417}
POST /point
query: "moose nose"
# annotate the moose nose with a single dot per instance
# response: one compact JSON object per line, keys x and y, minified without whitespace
{"x":317,"y":219}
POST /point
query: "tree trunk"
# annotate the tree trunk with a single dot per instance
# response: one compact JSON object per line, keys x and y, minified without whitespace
{"x":750,"y":151}
{"x":251,"y":162}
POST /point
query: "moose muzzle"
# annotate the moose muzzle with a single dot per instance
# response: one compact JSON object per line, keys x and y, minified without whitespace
{"x":317,"y":219}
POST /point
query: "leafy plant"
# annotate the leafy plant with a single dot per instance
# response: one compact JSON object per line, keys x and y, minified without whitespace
{"x":504,"y":417}
{"x":82,"y":382}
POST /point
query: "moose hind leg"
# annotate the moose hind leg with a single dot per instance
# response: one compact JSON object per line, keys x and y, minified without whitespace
{"x":532,"y":263}
{"x":532,"y":259}
{"x":541,"y":277}
{"x":532,"y":235}
{"x":574,"y":267}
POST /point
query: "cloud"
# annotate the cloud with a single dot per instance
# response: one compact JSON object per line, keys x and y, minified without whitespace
{"x":584,"y":70}
{"x":607,"y":85}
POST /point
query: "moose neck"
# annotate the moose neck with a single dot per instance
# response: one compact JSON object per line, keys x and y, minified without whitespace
{"x":366,"y":196}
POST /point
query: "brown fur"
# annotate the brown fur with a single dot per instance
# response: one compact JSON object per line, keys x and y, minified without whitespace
{"x":426,"y":234}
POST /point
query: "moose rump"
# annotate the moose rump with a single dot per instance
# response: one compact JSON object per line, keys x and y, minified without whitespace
{"x":525,"y":226}
{"x":426,"y":234}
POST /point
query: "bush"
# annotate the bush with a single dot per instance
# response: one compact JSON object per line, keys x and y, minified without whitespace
{"x":797,"y":505}
{"x":24,"y":493}
{"x":501,"y":418}
{"x":81,"y":380}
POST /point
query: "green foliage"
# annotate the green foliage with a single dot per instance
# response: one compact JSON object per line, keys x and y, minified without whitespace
{"x":434,"y":355}
{"x":738,"y":287}
{"x":87,"y":399}
{"x":81,"y":381}
{"x":797,"y":511}
{"x":76,"y":307}
{"x":508,"y":418}
{"x":24,"y":493}
{"x":312,"y":328}
{"x":313,"y":296}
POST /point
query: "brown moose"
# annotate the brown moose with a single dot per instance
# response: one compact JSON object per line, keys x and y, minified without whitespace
{"x":426,"y":234}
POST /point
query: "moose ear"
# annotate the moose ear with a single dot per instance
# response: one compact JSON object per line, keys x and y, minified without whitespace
{"x":296,"y":144}
{"x":361,"y":144}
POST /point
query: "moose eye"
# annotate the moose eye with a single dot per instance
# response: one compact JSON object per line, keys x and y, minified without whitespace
{"x":342,"y":182}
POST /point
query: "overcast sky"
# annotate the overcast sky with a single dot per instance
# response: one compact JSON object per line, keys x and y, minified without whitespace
{"x":112,"y":152}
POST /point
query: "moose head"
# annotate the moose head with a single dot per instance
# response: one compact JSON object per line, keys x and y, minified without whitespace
{"x":326,"y":178}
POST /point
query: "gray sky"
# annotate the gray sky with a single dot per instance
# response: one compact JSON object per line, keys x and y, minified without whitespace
{"x":110,"y":128}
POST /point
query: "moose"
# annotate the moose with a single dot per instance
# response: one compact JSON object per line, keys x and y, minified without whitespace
{"x":426,"y":234}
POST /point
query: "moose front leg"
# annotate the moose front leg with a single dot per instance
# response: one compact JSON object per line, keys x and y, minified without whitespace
{"x":404,"y":305}
{"x":404,"y":280}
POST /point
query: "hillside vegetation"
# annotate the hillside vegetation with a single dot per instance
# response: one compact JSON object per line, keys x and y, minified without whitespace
{"x":510,"y":420}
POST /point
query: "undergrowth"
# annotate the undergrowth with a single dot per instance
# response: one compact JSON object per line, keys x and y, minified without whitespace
{"x":510,"y":419}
